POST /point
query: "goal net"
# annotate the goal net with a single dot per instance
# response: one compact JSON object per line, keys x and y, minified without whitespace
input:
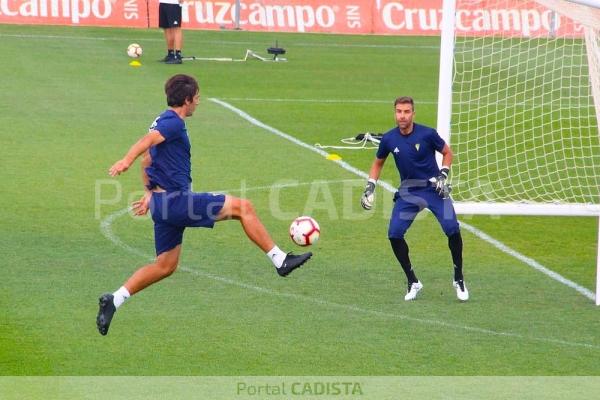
{"x":525,"y":104}
{"x":520,"y":105}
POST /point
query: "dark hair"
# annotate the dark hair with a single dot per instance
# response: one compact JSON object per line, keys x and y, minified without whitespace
{"x":405,"y":100}
{"x":180,"y":88}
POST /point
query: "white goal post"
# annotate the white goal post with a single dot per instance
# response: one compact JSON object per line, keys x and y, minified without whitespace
{"x":520,"y":105}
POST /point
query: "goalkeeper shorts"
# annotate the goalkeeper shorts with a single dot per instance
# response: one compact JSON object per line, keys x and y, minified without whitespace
{"x":408,"y":203}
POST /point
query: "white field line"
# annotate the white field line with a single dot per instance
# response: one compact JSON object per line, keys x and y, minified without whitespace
{"x":496,"y":243}
{"x":376,"y":101}
{"x":529,"y":261}
{"x":221,"y":42}
{"x":283,"y":185}
{"x":106,"y":229}
{"x":434,"y":47}
{"x":319,"y":101}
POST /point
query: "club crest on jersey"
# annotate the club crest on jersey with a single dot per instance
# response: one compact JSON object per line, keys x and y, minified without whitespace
{"x":396,"y":151}
{"x":417,"y":146}
{"x":153,"y":126}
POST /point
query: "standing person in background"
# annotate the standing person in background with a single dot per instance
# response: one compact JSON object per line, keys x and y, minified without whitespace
{"x":169,"y":18}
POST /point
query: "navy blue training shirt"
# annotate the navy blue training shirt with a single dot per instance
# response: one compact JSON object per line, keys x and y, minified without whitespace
{"x":171,"y":160}
{"x":414,"y":153}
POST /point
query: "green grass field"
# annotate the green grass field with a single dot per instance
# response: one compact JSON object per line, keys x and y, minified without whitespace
{"x":71,"y":106}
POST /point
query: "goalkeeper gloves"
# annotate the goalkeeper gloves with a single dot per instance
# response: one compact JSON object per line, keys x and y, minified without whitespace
{"x":441,"y":187}
{"x":368,"y":197}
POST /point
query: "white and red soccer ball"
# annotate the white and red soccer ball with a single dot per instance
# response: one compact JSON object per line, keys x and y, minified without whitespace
{"x":305,"y":231}
{"x":134,"y":50}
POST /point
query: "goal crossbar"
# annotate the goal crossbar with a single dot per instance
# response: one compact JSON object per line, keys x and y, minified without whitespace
{"x":541,"y":209}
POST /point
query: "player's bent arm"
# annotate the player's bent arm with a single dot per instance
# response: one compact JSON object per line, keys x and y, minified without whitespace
{"x":152,"y":138}
{"x":145,"y":163}
{"x":141,"y":206}
{"x":376,"y":168}
{"x":447,"y":156}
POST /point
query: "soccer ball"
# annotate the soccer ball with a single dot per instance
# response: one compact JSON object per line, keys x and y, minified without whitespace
{"x":134,"y":50}
{"x":305,"y":231}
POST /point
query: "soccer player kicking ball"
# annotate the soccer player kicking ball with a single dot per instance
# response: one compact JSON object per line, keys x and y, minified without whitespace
{"x":166,"y":175}
{"x":422,"y":185}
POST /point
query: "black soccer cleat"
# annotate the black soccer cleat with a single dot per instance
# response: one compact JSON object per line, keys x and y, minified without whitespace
{"x":292,"y":262}
{"x":174,"y":60}
{"x":105,"y":313}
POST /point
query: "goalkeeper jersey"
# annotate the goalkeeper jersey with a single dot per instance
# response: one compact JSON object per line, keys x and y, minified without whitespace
{"x":414,"y":154}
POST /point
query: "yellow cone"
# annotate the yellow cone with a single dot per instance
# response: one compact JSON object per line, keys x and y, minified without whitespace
{"x":135,"y":63}
{"x":333,"y":157}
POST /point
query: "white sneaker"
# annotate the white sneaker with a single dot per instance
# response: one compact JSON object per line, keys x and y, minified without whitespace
{"x":413,"y":289}
{"x":461,"y":290}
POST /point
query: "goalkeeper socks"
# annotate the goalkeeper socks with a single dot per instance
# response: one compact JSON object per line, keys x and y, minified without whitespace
{"x":120,"y":296}
{"x":410,"y":275}
{"x":400,"y":248}
{"x":170,"y":53}
{"x":458,"y":275}
{"x":456,"y":246}
{"x":276,"y":256}
{"x":178,"y":54}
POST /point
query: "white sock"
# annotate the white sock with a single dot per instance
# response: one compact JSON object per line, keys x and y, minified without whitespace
{"x":276,"y":256}
{"x":120,"y":296}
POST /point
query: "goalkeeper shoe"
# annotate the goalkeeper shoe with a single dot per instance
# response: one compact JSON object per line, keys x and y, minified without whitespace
{"x":461,"y":290}
{"x":291,"y":262}
{"x":413,"y":289}
{"x":105,"y":313}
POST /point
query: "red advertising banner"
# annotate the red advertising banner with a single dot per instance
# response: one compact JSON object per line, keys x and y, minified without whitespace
{"x":391,"y":17}
{"x":132,"y":13}
{"x":343,"y":16}
{"x":514,"y":18}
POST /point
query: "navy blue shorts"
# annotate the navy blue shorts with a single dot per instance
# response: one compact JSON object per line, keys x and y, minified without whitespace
{"x":408,"y":203}
{"x":169,"y":16}
{"x":172,"y":212}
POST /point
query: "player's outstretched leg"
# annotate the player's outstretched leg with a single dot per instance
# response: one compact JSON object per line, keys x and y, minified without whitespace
{"x":106,"y":312}
{"x":243,"y":210}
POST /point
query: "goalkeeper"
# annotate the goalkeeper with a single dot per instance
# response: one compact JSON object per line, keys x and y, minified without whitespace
{"x":422,"y":185}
